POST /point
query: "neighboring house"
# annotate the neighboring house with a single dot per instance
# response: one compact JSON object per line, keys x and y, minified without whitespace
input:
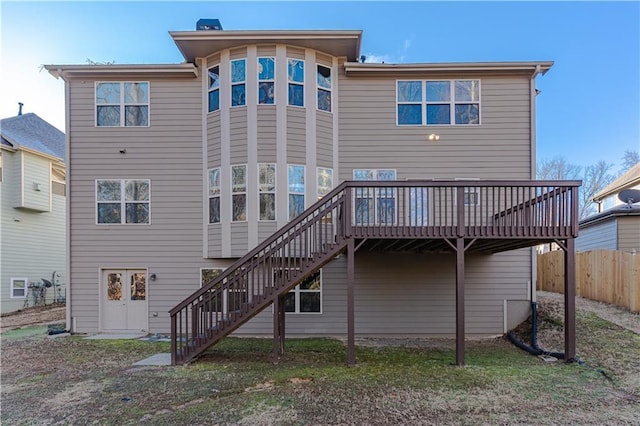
{"x":32,"y":225}
{"x":177,"y":171}
{"x":616,"y":226}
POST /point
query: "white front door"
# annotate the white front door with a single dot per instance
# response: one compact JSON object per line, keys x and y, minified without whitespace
{"x":124,"y":300}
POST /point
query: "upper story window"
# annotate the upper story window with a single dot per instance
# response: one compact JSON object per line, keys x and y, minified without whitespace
{"x":122,"y":201}
{"x":266,"y":80}
{"x":325,"y":181}
{"x":239,"y":193}
{"x":296,"y":190}
{"x":214,"y":88}
{"x":295,"y":77}
{"x":438,"y":102}
{"x":122,"y":104}
{"x":267,"y":191}
{"x":324,"y":88}
{"x":214,"y":195}
{"x":238,"y":82}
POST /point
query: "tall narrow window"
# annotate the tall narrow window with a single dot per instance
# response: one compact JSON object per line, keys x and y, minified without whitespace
{"x":122,"y":104}
{"x":239,"y":193}
{"x":325,"y":181}
{"x":214,"y":195}
{"x":324,"y":88}
{"x":296,"y":191}
{"x":214,"y":88}
{"x":266,"y":80}
{"x":122,"y":201}
{"x":375,"y":205}
{"x":295,"y":77}
{"x":267,"y":191}
{"x":238,"y":79}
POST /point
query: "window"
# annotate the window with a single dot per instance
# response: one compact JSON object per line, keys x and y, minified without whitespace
{"x":238,"y":193}
{"x":325,"y":181}
{"x":296,"y":191}
{"x":471,"y":196}
{"x":214,"y":88}
{"x":375,"y":205}
{"x":122,"y":104}
{"x":295,"y":77}
{"x":324,"y":88}
{"x":438,"y":102}
{"x":266,"y":80}
{"x":267,"y":191}
{"x":238,"y":86}
{"x":306,"y":297}
{"x":214,"y":195}
{"x":207,"y":274}
{"x":122,"y":201}
{"x":19,"y":288}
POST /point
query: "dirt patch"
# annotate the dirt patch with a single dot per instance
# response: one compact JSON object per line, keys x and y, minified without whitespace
{"x":37,"y":315}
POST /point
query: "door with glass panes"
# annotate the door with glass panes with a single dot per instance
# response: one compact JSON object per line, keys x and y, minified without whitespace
{"x":124,"y":300}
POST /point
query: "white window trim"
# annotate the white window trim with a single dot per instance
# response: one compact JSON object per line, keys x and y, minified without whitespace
{"x":26,"y":288}
{"x":318,"y":195}
{"x":452,"y":103}
{"x":275,"y":72}
{"x":238,"y":193}
{"x":289,"y":192}
{"x":212,"y":90}
{"x":123,"y":203}
{"x":237,"y":83}
{"x":374,"y":196}
{"x":296,"y":290}
{"x":330,"y":89}
{"x":122,"y":104}
{"x":275,"y":168}
{"x":297,"y":83}
{"x":209,"y":196}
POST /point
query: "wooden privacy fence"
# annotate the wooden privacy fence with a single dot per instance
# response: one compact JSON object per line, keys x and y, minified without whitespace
{"x":604,"y":275}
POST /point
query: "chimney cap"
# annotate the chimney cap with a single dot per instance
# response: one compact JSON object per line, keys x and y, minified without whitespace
{"x":208,"y":24}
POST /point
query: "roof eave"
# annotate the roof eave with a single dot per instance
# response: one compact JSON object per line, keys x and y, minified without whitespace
{"x":367,"y":69}
{"x":97,"y":71}
{"x":339,"y":43}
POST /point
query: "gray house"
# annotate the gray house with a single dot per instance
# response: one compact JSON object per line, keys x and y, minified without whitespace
{"x":33,"y":206}
{"x":276,"y":177}
{"x":616,"y":226}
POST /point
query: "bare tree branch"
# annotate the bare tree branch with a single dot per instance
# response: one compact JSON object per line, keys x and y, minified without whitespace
{"x":630,"y":159}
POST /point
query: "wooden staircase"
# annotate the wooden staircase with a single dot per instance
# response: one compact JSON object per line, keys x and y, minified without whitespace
{"x":254,"y":282}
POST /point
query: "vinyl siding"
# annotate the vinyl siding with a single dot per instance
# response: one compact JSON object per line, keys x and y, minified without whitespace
{"x":36,"y":170}
{"x":169,"y":153}
{"x":403,"y":294}
{"x":324,"y":139}
{"x":213,"y":138}
{"x":600,"y":236}
{"x":499,"y":148}
{"x":629,"y":234}
{"x":296,"y":135}
{"x":32,"y":243}
{"x":238,"y":134}
{"x":266,"y":134}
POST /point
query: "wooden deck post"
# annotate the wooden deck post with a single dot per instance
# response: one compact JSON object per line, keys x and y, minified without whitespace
{"x":282,"y":316}
{"x":351,"y":354}
{"x":460,"y":301}
{"x":569,"y":300}
{"x":276,"y":330}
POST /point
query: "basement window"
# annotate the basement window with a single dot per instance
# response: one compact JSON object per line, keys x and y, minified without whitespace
{"x":19,"y":288}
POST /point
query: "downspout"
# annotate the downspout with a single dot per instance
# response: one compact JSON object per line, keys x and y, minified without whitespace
{"x":534,"y":349}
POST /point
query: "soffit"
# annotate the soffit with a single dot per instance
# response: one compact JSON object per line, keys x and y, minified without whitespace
{"x":357,"y":69}
{"x":123,"y":71}
{"x":200,"y":44}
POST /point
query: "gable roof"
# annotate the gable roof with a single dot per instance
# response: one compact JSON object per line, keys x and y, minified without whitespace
{"x":628,"y":179}
{"x":32,"y":132}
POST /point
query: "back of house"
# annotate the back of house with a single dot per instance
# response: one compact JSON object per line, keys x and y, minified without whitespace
{"x":178,"y":170}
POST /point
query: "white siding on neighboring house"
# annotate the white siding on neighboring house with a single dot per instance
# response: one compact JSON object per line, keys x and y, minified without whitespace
{"x":629,"y":234}
{"x":603,"y":235}
{"x":32,"y":241}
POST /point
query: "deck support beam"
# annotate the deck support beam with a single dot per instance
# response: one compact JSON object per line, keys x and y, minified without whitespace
{"x":279,"y":317}
{"x":569,"y":301}
{"x":460,"y":301}
{"x":351,"y":353}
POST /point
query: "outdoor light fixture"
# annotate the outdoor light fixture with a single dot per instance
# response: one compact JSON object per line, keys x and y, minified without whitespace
{"x":433,"y":137}
{"x":152,"y":277}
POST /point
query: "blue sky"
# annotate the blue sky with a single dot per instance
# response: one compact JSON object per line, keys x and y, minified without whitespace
{"x":589,"y":108}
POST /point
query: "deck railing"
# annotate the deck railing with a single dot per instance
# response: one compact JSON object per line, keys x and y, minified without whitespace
{"x":393,"y":209}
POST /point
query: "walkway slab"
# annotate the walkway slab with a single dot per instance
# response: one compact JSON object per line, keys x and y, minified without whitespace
{"x":112,"y":336}
{"x":157,"y":359}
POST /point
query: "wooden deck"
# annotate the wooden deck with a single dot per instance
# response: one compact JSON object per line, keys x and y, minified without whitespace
{"x":412,"y":216}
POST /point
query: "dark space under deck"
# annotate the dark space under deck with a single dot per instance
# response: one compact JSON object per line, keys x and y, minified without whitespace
{"x":414,"y":216}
